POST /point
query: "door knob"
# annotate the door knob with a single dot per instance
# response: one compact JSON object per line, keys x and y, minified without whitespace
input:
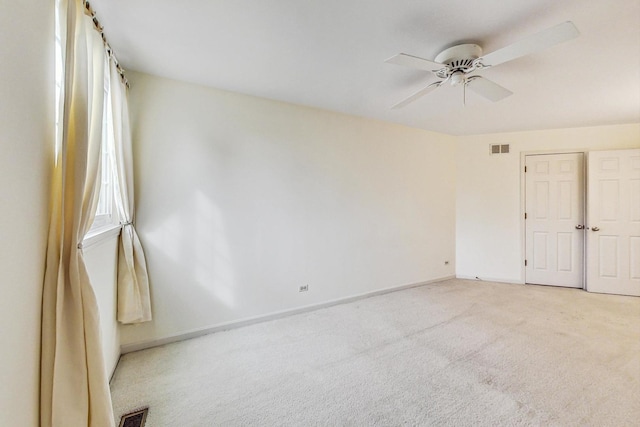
{"x":595,"y":229}
{"x":579,"y":227}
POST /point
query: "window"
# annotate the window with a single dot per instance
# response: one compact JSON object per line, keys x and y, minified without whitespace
{"x":106,"y":213}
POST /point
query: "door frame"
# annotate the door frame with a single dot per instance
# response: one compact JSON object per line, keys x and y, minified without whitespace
{"x":523,"y":204}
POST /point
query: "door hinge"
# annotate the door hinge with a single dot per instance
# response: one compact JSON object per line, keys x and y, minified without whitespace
{"x":525,"y":169}
{"x":525,"y":215}
{"x":525,"y":262}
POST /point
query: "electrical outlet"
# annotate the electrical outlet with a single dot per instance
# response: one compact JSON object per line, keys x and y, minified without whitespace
{"x":304,"y":288}
{"x":446,"y":263}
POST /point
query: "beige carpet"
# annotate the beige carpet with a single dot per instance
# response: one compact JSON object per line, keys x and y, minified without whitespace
{"x":456,"y":352}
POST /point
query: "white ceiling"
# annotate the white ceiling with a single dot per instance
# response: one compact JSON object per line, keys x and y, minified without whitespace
{"x":330,"y":54}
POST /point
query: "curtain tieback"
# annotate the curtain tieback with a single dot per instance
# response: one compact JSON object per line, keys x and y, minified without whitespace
{"x":124,"y":224}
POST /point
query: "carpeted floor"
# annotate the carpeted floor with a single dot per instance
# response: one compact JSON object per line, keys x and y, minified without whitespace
{"x":457,"y":353}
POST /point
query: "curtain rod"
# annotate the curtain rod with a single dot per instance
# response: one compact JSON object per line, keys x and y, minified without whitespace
{"x":96,"y":24}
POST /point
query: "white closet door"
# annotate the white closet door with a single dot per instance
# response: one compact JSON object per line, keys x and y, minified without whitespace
{"x":613,"y":232}
{"x":555,"y":216}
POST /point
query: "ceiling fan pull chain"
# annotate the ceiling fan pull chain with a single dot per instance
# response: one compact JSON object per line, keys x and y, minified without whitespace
{"x":464,"y":94}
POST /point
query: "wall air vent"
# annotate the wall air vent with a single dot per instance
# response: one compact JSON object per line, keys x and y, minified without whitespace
{"x":499,"y":149}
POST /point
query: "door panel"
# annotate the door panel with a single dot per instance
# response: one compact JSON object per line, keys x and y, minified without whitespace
{"x":554,"y":202}
{"x":565,"y":249}
{"x":634,"y":257}
{"x":565,"y":190}
{"x":540,"y":253}
{"x":613,"y":235}
{"x":608,"y":256}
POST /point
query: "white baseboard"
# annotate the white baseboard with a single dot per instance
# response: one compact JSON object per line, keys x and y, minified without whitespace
{"x":128,"y":348}
{"x":489,"y":279}
{"x":113,"y":371}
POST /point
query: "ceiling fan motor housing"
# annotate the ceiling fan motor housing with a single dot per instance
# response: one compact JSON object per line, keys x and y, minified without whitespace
{"x":459,"y":55}
{"x":459,"y":60}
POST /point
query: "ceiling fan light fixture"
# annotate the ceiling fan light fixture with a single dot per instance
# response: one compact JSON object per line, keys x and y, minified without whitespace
{"x":457,"y":78}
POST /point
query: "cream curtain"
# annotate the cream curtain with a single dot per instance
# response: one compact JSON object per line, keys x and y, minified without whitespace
{"x":134,"y":304}
{"x":74,"y":388}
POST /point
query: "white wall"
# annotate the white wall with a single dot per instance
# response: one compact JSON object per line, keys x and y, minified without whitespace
{"x":101,"y":260}
{"x":241,"y":200}
{"x":26,"y":133}
{"x":488,"y":204}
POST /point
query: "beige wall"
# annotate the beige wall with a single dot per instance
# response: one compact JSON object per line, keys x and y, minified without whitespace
{"x":26,"y":133}
{"x":101,"y":257}
{"x":489,"y":240}
{"x":241,"y":200}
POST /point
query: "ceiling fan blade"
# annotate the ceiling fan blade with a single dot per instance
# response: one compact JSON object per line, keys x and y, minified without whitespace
{"x":534,"y":43}
{"x":414,"y":62}
{"x":490,"y":90}
{"x":417,"y":95}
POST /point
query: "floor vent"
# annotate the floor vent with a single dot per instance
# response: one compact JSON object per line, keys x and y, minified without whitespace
{"x":134,"y":419}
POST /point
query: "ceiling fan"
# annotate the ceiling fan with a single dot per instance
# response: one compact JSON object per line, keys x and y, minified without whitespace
{"x":457,"y":64}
